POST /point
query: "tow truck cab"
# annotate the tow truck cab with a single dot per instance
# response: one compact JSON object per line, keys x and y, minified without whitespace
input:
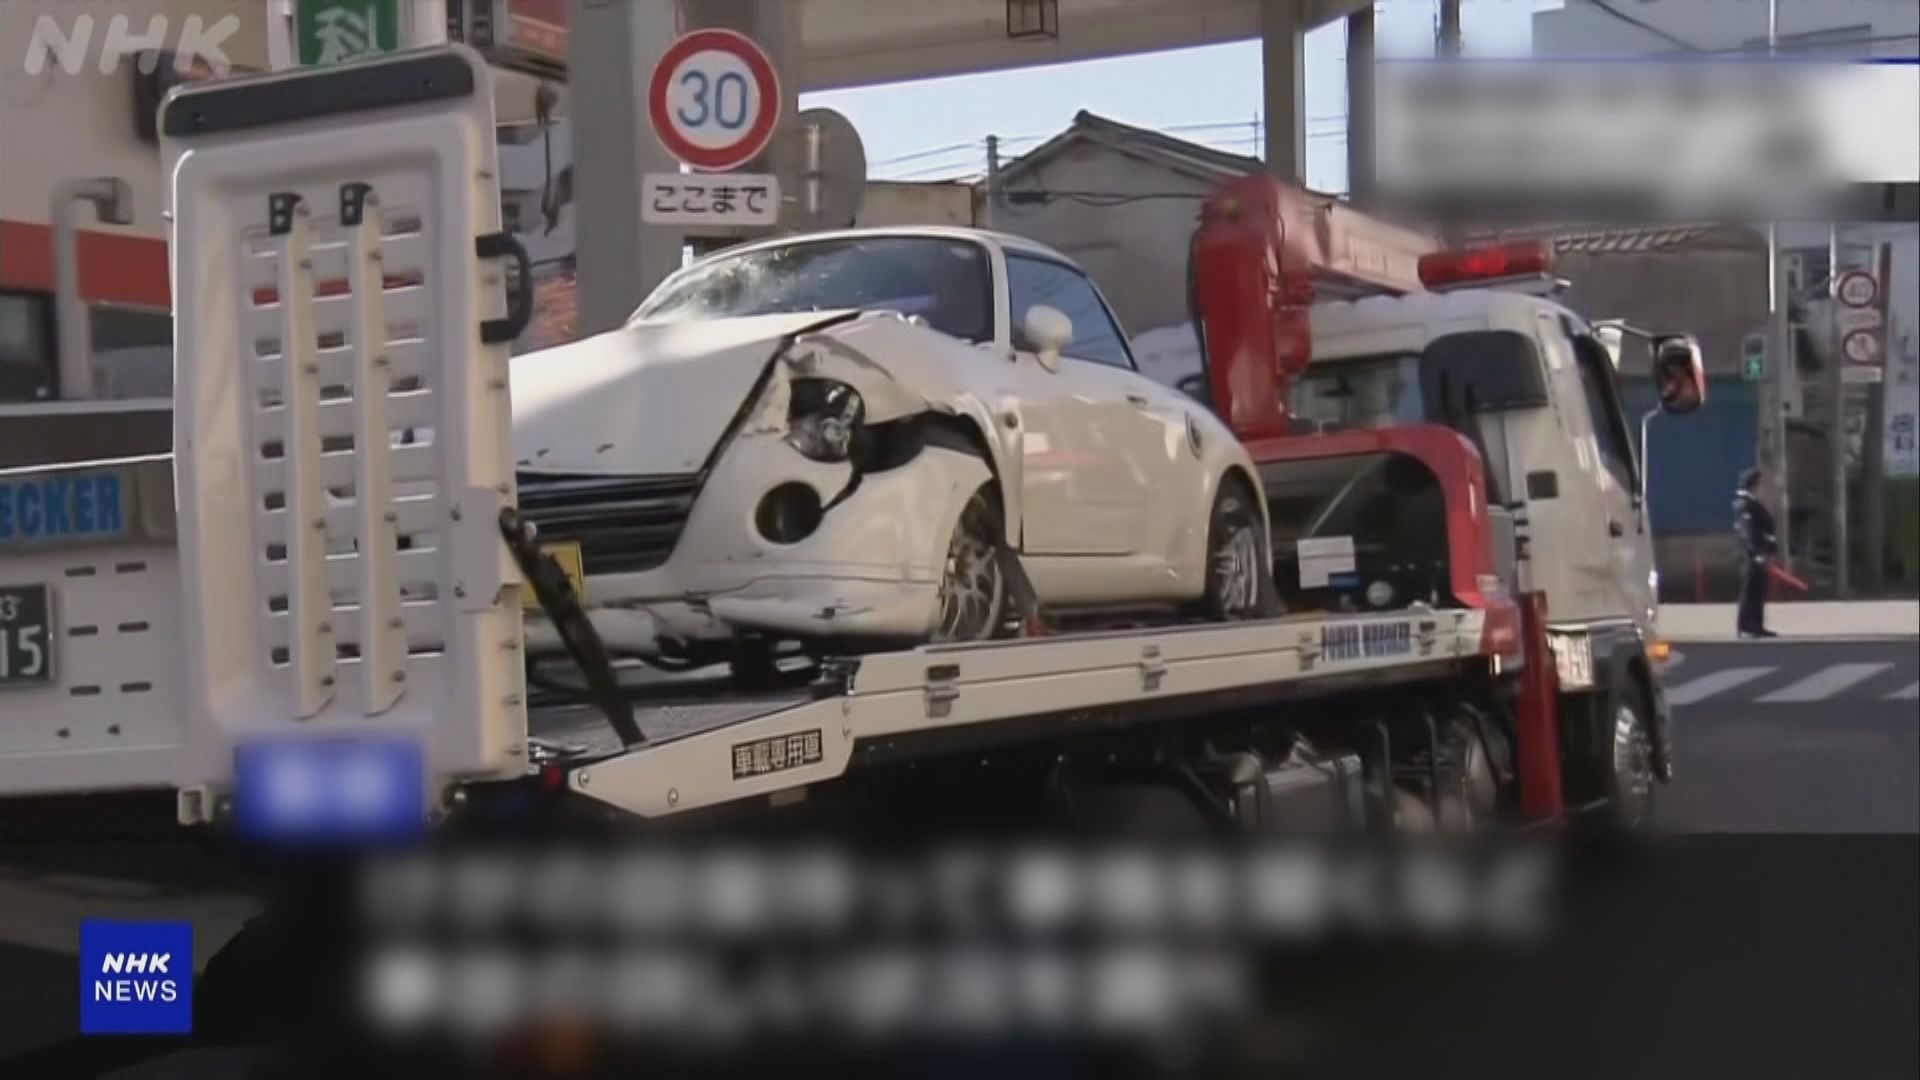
{"x":1529,"y":385}
{"x":1451,"y":436}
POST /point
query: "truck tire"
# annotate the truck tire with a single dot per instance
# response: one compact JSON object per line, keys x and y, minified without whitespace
{"x":1630,"y":772}
{"x":1239,"y":574}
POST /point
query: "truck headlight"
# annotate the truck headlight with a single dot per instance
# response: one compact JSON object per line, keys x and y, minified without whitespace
{"x":823,"y":416}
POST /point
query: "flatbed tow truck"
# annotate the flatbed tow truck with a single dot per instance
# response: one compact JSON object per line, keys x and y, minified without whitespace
{"x":207,"y":622}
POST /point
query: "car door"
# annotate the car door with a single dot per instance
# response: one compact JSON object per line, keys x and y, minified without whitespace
{"x":1091,"y":437}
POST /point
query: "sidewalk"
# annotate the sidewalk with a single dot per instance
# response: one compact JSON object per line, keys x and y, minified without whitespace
{"x":1824,"y":619}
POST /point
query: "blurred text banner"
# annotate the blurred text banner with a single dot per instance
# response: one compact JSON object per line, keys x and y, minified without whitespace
{"x":1647,"y":140}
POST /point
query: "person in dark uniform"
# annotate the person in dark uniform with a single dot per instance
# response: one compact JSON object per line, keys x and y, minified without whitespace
{"x":1753,"y":526}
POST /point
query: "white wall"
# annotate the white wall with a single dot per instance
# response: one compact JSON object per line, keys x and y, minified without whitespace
{"x":1136,"y":251}
{"x":899,"y":202}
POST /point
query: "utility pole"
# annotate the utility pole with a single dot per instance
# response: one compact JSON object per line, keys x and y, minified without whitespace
{"x":1448,"y":44}
{"x":1873,"y":440}
{"x":1780,"y":349}
{"x":1837,"y":419}
{"x":993,"y":182}
{"x":1360,"y":106}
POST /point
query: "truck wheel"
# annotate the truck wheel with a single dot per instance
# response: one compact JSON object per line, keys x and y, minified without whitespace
{"x":973,"y":590}
{"x":1239,"y":577}
{"x":1630,"y":767}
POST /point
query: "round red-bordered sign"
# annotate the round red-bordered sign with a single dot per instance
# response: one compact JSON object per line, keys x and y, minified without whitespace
{"x":1858,"y":289}
{"x":1862,"y":347}
{"x":714,"y":99}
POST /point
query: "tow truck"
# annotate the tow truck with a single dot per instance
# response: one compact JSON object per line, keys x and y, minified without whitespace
{"x":341,"y":278}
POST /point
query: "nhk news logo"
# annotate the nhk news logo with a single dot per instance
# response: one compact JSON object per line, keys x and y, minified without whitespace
{"x":136,"y":978}
{"x":73,"y":42}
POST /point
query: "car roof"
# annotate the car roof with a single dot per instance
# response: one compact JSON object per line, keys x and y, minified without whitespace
{"x":1006,"y":241}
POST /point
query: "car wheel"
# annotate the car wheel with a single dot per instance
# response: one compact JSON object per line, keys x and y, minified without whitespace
{"x":973,"y":590}
{"x":1630,"y":766}
{"x":1239,"y":579}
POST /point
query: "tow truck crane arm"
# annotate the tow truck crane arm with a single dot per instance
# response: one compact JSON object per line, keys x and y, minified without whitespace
{"x":1263,"y":253}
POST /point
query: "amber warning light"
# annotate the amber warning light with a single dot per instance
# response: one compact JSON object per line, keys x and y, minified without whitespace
{"x":1464,"y":266}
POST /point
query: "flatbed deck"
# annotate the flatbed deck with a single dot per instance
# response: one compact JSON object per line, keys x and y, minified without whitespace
{"x":709,"y":744}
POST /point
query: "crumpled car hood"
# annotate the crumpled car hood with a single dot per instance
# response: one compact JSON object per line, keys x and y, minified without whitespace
{"x":644,"y":400}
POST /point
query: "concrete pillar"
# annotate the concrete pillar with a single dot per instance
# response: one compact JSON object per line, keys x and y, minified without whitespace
{"x":1449,"y":34}
{"x":1283,"y":55}
{"x":774,"y":25}
{"x":612,"y":49}
{"x":1360,"y":106}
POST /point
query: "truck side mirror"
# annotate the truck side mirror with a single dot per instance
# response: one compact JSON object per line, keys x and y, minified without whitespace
{"x":1047,"y":330}
{"x":1678,"y":373}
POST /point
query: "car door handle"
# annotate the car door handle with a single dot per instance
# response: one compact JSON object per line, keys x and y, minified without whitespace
{"x":1614,"y":529}
{"x":1140,"y":400}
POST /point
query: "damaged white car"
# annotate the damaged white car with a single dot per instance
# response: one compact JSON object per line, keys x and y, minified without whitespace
{"x":875,"y":436}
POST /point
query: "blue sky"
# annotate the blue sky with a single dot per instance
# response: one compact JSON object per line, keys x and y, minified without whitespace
{"x":1210,"y":95}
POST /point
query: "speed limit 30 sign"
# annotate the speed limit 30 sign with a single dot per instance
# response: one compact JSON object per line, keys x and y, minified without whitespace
{"x":714,"y":99}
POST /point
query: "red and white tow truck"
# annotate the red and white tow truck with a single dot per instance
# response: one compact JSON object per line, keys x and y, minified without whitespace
{"x":1459,"y":651}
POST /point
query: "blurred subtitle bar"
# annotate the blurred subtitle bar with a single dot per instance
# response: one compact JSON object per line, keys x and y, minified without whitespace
{"x":698,"y":948}
{"x":1512,"y":141}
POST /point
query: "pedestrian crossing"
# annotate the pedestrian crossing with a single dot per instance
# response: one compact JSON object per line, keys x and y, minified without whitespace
{"x":1827,"y":682}
{"x":1716,"y":682}
{"x":1776,"y":684}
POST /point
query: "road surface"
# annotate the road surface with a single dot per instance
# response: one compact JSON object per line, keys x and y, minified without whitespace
{"x":1807,"y":737}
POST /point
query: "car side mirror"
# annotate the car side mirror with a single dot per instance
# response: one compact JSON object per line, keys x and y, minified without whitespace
{"x":1679,"y":373}
{"x":1047,"y":331}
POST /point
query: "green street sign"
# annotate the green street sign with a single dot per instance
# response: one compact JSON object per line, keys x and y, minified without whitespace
{"x":1753,"y":357}
{"x":335,"y":31}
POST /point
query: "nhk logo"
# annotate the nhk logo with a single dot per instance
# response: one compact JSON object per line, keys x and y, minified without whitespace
{"x":136,"y":977}
{"x":76,"y":42}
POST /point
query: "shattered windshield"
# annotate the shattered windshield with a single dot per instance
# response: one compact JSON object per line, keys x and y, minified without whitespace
{"x":945,"y":282}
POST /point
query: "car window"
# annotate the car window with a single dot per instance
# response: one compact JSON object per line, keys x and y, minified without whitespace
{"x":945,"y":282}
{"x":1343,"y":395}
{"x":1096,"y":337}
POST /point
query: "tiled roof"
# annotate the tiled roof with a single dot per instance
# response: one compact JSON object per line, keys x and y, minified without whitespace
{"x":1089,"y":127}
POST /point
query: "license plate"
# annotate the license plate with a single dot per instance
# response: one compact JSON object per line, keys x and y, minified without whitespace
{"x":566,"y":554}
{"x":329,"y":788}
{"x":26,"y":635}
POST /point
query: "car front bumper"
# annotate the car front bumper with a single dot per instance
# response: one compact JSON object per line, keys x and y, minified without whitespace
{"x":871,"y":569}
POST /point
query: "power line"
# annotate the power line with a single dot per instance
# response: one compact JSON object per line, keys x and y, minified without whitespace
{"x":938,"y":150}
{"x":1102,"y":199}
{"x":948,"y":167}
{"x":1813,"y":44}
{"x":1642,"y":24}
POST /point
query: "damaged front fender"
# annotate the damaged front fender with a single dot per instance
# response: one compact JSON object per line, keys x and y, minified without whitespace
{"x":903,"y":370}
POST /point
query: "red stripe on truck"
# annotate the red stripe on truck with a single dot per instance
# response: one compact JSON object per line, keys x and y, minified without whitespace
{"x":115,"y":268}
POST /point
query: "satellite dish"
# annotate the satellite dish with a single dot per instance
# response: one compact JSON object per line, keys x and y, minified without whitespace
{"x":822,"y":166}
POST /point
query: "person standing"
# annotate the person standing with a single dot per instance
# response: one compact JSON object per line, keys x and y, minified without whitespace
{"x":1753,"y":527}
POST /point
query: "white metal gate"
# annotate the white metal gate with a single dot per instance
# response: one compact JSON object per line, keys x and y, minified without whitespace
{"x":341,"y":422}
